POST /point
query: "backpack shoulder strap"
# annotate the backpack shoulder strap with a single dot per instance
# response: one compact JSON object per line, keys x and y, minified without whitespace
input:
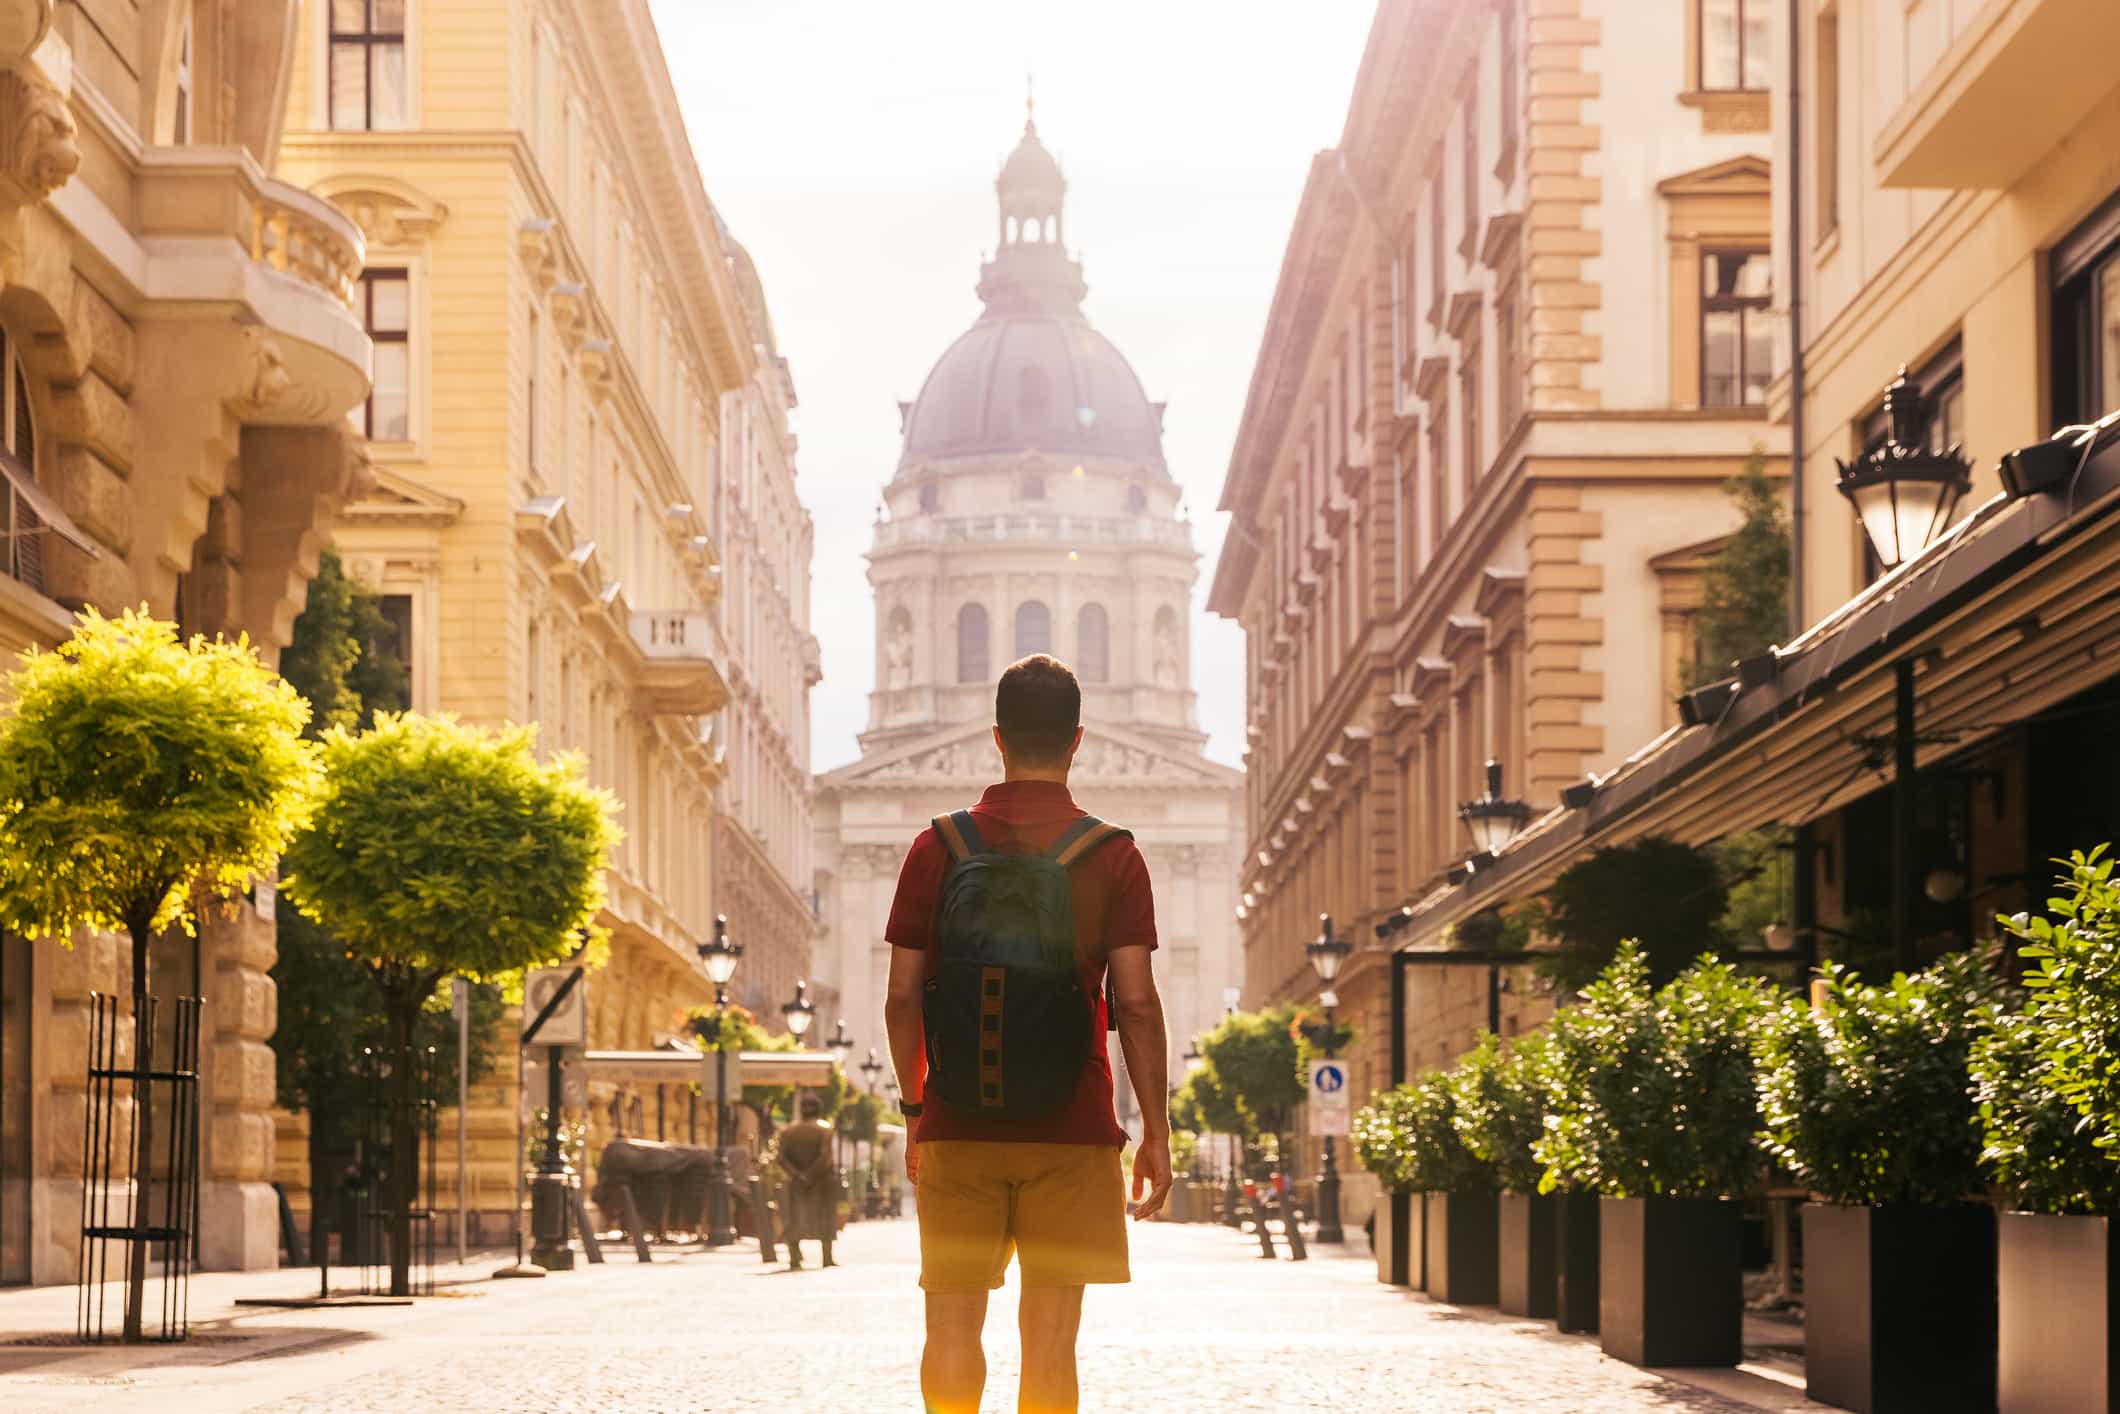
{"x":1080,"y":838}
{"x":959,"y":835}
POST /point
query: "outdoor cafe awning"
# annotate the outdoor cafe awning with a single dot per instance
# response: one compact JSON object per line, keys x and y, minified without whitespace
{"x":684,"y":1067}
{"x":2015,"y":610}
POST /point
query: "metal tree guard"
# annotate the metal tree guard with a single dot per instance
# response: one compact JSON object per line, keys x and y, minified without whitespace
{"x":111,"y":1156}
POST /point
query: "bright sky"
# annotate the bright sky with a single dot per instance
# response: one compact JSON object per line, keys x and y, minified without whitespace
{"x":852,"y":148}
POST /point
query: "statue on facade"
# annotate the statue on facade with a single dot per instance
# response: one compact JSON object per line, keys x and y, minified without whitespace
{"x":898,"y":653}
{"x":1166,"y":661}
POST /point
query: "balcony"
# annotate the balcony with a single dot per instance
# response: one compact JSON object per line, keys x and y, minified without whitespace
{"x":677,"y":673}
{"x":2015,"y":79}
{"x":215,"y":230}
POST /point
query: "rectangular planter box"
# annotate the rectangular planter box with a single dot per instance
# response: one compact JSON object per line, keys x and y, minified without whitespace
{"x":1671,"y":1280}
{"x":1530,"y":1279}
{"x":2058,"y":1290}
{"x":1393,"y":1225}
{"x":1464,"y":1247}
{"x":1899,"y":1308}
{"x":1575,"y":1254}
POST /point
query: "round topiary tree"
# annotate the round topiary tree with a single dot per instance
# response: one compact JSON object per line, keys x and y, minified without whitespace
{"x":440,"y":849}
{"x":140,"y":777}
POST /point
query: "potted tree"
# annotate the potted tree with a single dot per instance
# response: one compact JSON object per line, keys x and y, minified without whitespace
{"x":2045,"y":1080}
{"x":442,"y":850}
{"x":1864,"y":1099}
{"x":1500,"y":1112}
{"x":1654,"y":1108}
{"x":1459,"y":1202}
{"x":1383,"y":1141}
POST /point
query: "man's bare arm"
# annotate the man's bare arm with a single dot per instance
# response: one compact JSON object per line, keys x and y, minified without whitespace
{"x":1144,"y":1042}
{"x":901,"y":1020}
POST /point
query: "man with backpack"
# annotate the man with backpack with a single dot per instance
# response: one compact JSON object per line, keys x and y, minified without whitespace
{"x":1021,"y":930}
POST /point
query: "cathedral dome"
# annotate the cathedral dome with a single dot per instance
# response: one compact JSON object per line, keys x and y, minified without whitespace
{"x":1032,"y":375}
{"x":1033,"y":382}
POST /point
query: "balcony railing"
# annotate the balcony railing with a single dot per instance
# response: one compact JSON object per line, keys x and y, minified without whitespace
{"x":1046,"y":529}
{"x":680,"y":677}
{"x":287,"y":234}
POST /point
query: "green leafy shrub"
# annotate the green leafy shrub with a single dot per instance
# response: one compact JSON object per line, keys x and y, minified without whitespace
{"x":1865,"y":1098}
{"x":1653,"y":1091}
{"x":1500,"y":1098}
{"x":2044,"y":1077}
{"x":1409,"y":1139}
{"x":1383,"y":1138}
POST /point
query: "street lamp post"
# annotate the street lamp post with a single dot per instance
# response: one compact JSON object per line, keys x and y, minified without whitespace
{"x":871,"y":1070}
{"x":1326,"y":953}
{"x":720,"y":958}
{"x":799,"y":1013}
{"x":843,"y":1044}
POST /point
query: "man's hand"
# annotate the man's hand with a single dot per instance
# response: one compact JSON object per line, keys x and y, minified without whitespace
{"x":1151,"y":1171}
{"x":912,"y":1162}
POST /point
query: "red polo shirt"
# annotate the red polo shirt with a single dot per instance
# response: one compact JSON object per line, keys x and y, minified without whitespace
{"x":1114,"y":908}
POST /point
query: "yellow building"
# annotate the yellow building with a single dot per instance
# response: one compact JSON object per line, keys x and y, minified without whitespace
{"x":180,"y":351}
{"x":557,"y":326}
{"x":1521,"y":339}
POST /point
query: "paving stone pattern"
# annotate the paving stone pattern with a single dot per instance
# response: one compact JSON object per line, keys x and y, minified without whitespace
{"x":1206,"y":1326}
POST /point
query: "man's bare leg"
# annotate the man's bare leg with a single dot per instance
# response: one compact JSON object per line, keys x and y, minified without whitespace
{"x":953,"y":1367}
{"x":1049,"y":1319}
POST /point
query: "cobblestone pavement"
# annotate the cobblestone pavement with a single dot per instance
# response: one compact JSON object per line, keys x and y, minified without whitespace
{"x":1207,"y":1325}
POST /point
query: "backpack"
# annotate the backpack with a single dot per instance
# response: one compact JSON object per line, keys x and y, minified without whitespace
{"x":1006,"y":1019}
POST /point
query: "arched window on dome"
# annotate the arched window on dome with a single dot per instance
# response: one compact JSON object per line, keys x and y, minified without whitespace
{"x":971,"y":644}
{"x":1034,"y":628}
{"x":1093,"y":644}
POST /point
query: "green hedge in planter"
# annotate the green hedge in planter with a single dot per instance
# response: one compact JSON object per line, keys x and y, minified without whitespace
{"x":1383,"y":1139}
{"x":1500,"y":1099}
{"x":1653,"y":1090}
{"x":1409,"y":1140}
{"x":2073,"y":1012}
{"x":1865,"y":1099}
{"x":2044,"y":1076}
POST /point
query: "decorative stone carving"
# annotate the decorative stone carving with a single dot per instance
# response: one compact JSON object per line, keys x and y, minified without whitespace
{"x":570,"y":311}
{"x":23,"y":25}
{"x":898,"y":651}
{"x":41,"y":147}
{"x":537,"y":239}
{"x":599,"y":367}
{"x":265,"y":379}
{"x":1166,"y":659}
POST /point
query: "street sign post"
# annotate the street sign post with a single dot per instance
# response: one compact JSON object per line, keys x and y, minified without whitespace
{"x":1329,"y":1101}
{"x":555,"y":1007}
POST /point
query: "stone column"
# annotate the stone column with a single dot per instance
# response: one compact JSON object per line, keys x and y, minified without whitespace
{"x":238,"y":1213}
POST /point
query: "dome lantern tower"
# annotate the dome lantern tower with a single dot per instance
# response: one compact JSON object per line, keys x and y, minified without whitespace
{"x":1031,"y":271}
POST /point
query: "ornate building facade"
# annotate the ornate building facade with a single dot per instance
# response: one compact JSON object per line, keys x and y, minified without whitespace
{"x":1032,"y":511}
{"x":1522,"y":337}
{"x":559,"y":327}
{"x":179,"y":346}
{"x":763,"y":836}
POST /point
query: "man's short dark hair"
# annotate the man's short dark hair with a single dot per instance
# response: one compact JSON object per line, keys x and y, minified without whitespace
{"x":1038,"y":706}
{"x":812,"y":1107}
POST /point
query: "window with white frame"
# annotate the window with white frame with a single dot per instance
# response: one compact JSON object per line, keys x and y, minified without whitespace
{"x":1736,"y":45}
{"x":367,"y":79}
{"x":386,"y":311}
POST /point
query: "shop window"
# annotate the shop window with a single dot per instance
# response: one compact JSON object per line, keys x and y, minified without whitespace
{"x":1736,"y":328}
{"x":367,"y":79}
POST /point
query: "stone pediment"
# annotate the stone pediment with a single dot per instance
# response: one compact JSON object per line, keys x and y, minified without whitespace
{"x":965,"y":754}
{"x":399,"y":500}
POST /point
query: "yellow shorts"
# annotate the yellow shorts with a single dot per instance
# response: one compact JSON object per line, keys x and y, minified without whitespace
{"x":1061,"y":1208}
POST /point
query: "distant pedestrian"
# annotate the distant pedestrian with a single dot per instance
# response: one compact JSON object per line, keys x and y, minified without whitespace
{"x":812,"y":1203}
{"x":1021,"y":930}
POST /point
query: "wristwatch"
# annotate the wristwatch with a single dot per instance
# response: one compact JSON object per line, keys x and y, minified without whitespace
{"x":909,"y":1108}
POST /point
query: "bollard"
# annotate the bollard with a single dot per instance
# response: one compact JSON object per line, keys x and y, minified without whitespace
{"x":1292,"y":1229}
{"x":634,"y":1227}
{"x":1258,"y":1217}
